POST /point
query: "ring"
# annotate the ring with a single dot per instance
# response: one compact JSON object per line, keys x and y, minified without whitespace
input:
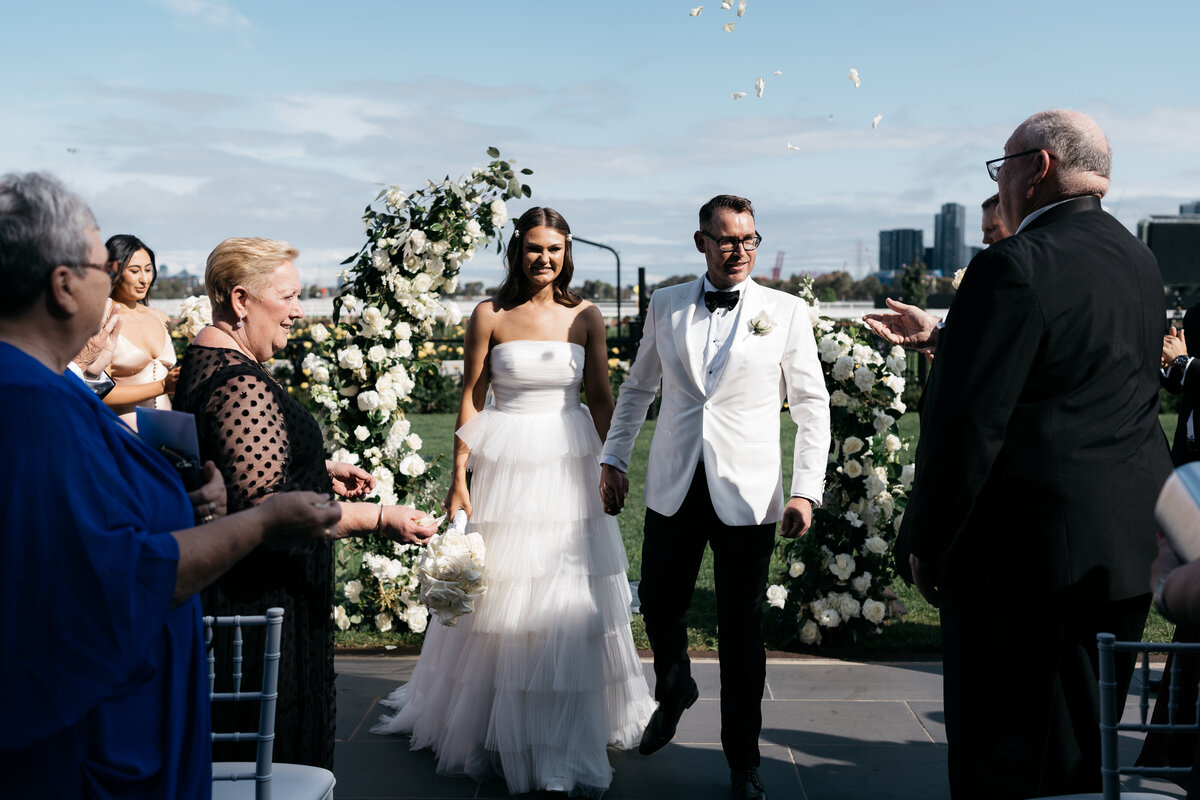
{"x":212,"y":508}
{"x":207,"y":518}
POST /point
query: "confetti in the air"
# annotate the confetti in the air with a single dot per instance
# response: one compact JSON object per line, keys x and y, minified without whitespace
{"x":875,"y":121}
{"x":726,"y":5}
{"x":738,"y":95}
{"x":727,"y":27}
{"x":792,"y":146}
{"x":854,"y":77}
{"x":741,"y":7}
{"x":695,"y":12}
{"x":776,"y":72}
{"x":759,"y":85}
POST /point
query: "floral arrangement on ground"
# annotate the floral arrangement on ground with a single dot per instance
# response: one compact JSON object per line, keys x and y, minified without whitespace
{"x":360,"y":374}
{"x":836,"y":579}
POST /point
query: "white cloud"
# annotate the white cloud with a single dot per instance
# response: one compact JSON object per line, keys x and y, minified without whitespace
{"x":211,"y":13}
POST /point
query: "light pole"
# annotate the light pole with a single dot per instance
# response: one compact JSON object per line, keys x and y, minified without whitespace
{"x":617,"y":256}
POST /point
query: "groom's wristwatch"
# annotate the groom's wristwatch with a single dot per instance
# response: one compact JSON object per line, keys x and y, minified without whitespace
{"x":1182,"y":362}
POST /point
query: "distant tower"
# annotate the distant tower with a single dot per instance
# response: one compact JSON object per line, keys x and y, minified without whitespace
{"x":778,"y":268}
{"x":949,"y":239}
{"x":1190,"y":208}
{"x":900,"y":247}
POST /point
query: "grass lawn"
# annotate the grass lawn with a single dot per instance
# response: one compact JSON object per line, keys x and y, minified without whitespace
{"x":916,"y":632}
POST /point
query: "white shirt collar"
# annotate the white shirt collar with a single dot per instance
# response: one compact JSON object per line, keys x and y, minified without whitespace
{"x":1037,"y":213}
{"x":737,"y":287}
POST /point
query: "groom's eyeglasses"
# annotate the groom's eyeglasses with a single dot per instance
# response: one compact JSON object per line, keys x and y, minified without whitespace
{"x":729,"y":243}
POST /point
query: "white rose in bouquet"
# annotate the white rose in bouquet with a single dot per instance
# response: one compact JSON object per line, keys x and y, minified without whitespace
{"x":776,"y":596}
{"x":350,"y":304}
{"x":862,"y":583}
{"x":412,"y":465}
{"x":897,"y":360}
{"x":864,"y":354}
{"x":374,"y":322}
{"x":450,"y":286}
{"x":875,"y":486}
{"x":416,"y":618}
{"x":499,"y":213}
{"x":907,"y":473}
{"x":377,"y":354}
{"x":848,"y":607}
{"x":417,"y":241}
{"x":402,"y":330}
{"x":396,"y":198}
{"x":843,"y":368}
{"x":876,"y":545}
{"x":413,"y":441}
{"x":454,"y":314}
{"x":195,"y":314}
{"x":351,"y":358}
{"x":340,"y":618}
{"x":810,"y":633}
{"x":318,"y":333}
{"x":852,"y":445}
{"x":842,"y":566}
{"x":361,"y":433}
{"x":368,"y":401}
{"x":474,"y":230}
{"x":838,"y":398}
{"x":852,"y":469}
{"x":422,"y":283}
{"x":829,"y":618}
{"x":403,"y":349}
{"x":874,"y":611}
{"x":384,"y":622}
{"x":352,"y":590}
{"x":883,"y":422}
{"x":892,"y":443}
{"x":895,"y":383}
{"x":796,"y":569}
{"x":451,"y":571}
{"x":864,"y":378}
{"x":381,"y":260}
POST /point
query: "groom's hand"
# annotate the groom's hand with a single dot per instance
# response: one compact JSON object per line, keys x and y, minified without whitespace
{"x":614,"y":487}
{"x":797,"y":516}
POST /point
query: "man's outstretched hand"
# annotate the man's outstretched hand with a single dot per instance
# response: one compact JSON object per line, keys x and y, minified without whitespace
{"x":905,"y":325}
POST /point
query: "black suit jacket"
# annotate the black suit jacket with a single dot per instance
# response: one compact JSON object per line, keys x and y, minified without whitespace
{"x":1041,"y":456}
{"x":1181,"y":451}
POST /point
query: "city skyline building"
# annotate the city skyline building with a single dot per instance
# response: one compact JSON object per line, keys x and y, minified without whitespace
{"x":949,"y":239}
{"x":900,"y":247}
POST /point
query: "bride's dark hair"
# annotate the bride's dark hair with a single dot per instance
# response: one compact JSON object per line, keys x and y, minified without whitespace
{"x":515,"y":288}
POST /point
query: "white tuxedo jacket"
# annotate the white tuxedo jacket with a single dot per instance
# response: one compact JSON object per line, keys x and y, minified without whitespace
{"x":737,"y":425}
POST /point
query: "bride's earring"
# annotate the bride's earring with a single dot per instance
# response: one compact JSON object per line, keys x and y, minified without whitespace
{"x":239,"y":323}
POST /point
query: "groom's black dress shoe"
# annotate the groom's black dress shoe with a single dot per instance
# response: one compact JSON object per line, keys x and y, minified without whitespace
{"x":746,"y":785}
{"x":661,"y":727}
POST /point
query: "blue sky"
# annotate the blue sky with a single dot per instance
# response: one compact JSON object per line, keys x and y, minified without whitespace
{"x":194,"y":120}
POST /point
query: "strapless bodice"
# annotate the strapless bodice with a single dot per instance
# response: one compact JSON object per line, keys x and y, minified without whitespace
{"x":536,"y":377}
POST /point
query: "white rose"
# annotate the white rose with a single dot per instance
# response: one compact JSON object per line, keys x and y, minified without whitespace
{"x":883,"y":422}
{"x":422,"y":283}
{"x":352,"y":590}
{"x":863,"y":354}
{"x":852,"y":518}
{"x":875,"y":486}
{"x":396,"y":198}
{"x":499,"y":213}
{"x":864,"y":378}
{"x":852,"y":445}
{"x":907,"y":473}
{"x":959,"y":274}
{"x":361,"y":433}
{"x":412,"y":465}
{"x":876,"y":545}
{"x":852,"y":469}
{"x":377,"y":354}
{"x":350,"y":304}
{"x":895,"y":383}
{"x":897,"y":365}
{"x":417,"y":241}
{"x":340,"y":618}
{"x":368,"y":401}
{"x":843,"y":368}
{"x":810,"y":633}
{"x":829,"y":618}
{"x":829,"y":349}
{"x":383,"y":622}
{"x":776,"y":596}
{"x":318,"y":333}
{"x":898,"y":405}
{"x":838,"y":398}
{"x":862,"y":583}
{"x":440,"y":247}
{"x":417,"y":618}
{"x":402,"y":330}
{"x":381,"y":260}
{"x":887,"y":506}
{"x":345,"y":455}
{"x":474,"y":230}
{"x":874,"y":611}
{"x":450,"y":286}
{"x":848,"y":607}
{"x":892,"y":443}
{"x":373,"y":320}
{"x":454,"y":314}
{"x":351,"y":358}
{"x":842,"y":566}
{"x":403,"y":349}
{"x":413,"y":441}
{"x":796,"y":569}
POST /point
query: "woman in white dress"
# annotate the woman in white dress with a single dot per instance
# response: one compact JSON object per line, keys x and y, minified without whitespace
{"x":143,"y":362}
{"x":543,"y":676}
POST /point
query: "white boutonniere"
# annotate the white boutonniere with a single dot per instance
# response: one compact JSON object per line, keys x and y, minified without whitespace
{"x":761,"y":324}
{"x":959,"y":274}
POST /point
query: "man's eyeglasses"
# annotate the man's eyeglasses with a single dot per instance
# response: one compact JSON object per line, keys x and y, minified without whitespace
{"x":107,"y":269}
{"x":993,"y":166}
{"x":728,"y":244}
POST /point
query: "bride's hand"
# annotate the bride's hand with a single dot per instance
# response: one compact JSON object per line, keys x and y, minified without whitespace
{"x":458,"y":497}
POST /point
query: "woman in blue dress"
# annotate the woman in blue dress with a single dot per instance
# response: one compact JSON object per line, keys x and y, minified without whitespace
{"x":103,"y":685}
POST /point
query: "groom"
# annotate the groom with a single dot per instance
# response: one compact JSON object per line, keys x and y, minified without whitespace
{"x":728,"y":354}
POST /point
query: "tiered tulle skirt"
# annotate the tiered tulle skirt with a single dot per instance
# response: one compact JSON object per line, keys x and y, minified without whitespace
{"x":544,"y":675}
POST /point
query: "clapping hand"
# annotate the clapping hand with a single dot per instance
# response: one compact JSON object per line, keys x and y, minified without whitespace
{"x":349,"y":481}
{"x":907,"y":326}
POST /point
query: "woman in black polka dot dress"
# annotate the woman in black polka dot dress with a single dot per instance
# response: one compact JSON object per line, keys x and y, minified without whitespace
{"x":263,"y":441}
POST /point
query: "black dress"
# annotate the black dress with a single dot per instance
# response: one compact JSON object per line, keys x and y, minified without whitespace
{"x":263,"y":441}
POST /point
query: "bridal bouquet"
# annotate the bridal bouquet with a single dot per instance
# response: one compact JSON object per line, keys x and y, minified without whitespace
{"x":194,"y":314}
{"x":451,"y":571}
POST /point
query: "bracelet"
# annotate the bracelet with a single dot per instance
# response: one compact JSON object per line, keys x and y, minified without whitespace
{"x":379,"y":522}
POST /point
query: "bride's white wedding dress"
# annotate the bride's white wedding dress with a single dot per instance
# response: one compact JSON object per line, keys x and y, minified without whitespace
{"x":544,"y":675}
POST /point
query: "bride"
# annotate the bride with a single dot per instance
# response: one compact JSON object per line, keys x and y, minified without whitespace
{"x":544,"y":675}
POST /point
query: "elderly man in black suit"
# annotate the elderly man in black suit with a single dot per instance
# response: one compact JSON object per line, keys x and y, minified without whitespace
{"x":1031,"y":518}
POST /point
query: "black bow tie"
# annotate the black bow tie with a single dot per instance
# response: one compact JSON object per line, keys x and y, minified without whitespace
{"x":715,"y":300}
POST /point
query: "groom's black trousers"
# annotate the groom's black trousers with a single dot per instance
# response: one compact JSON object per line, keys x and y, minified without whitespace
{"x":671,"y":553}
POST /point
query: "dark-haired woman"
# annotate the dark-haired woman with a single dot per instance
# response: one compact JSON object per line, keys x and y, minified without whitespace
{"x":543,"y":676}
{"x":143,"y":363}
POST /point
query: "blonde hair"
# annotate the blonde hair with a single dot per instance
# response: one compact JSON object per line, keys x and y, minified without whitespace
{"x":243,"y":262}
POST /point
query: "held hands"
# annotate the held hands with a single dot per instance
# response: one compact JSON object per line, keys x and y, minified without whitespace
{"x":349,"y":481}
{"x":407,"y":525}
{"x":170,"y":381}
{"x":96,"y":354}
{"x":797,"y":517}
{"x":907,"y":326}
{"x":300,"y":515}
{"x":209,"y":501}
{"x":1174,"y":345}
{"x":614,"y":488}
